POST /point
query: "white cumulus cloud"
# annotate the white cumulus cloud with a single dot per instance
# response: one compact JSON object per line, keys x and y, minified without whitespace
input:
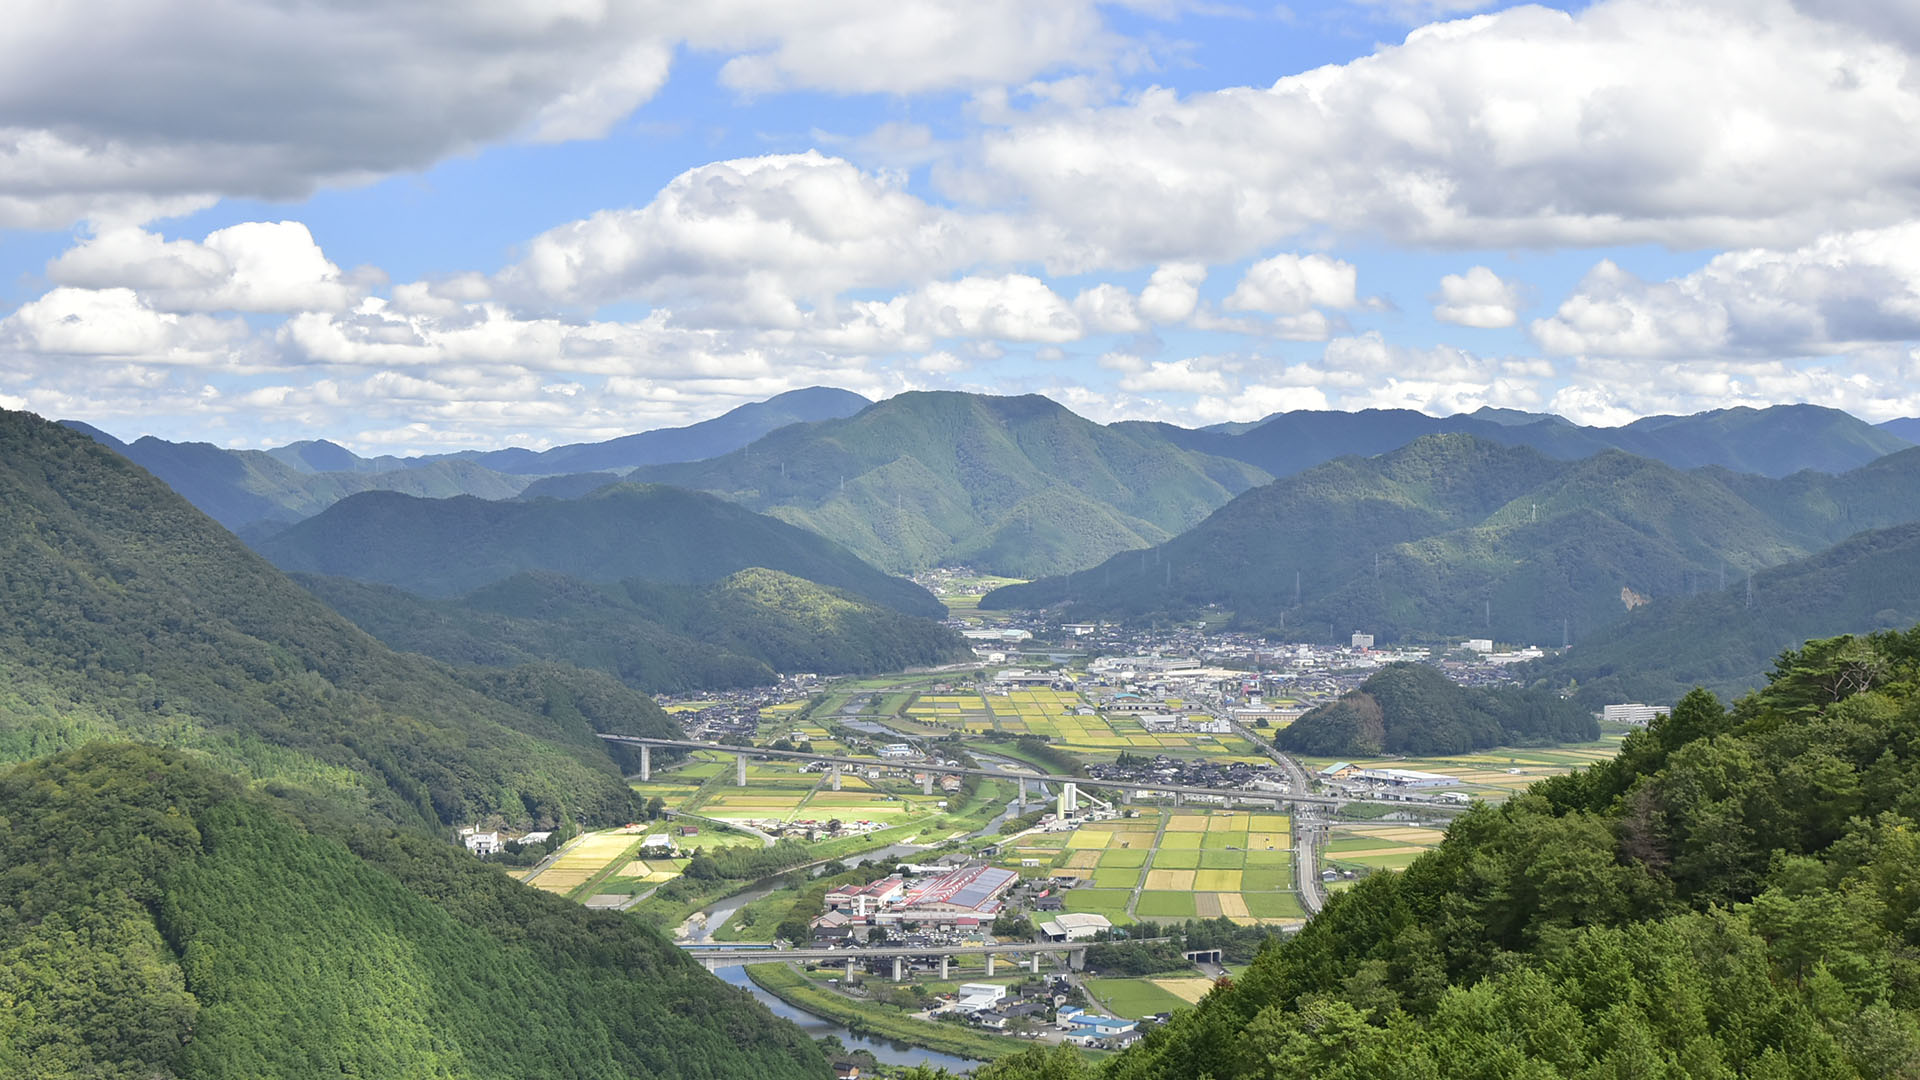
{"x":1478,"y":298}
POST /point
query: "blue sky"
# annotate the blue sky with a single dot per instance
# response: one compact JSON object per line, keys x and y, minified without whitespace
{"x":428,"y":226}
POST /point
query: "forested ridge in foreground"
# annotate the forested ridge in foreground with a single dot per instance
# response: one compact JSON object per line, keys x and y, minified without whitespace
{"x":162,"y":921}
{"x":125,"y":613}
{"x":1737,"y":894}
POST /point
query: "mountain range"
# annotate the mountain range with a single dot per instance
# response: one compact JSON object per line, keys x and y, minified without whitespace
{"x":1018,"y":486}
{"x":1453,"y":535}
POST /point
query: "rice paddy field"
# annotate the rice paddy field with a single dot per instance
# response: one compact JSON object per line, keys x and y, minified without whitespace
{"x":1495,"y":775}
{"x":1382,"y":846}
{"x":1175,"y":864}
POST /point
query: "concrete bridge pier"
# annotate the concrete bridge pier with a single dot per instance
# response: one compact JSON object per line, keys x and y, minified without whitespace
{"x":740,"y":770}
{"x":946,"y":966}
{"x":1126,"y":796}
{"x":899,"y":969}
{"x":1077,"y":960}
{"x":849,"y":969}
{"x":926,"y":783}
{"x":835,"y":775}
{"x":646,"y":763}
{"x":1179,"y":799}
{"x":1023,"y":794}
{"x":989,"y":965}
{"x":1033,"y":963}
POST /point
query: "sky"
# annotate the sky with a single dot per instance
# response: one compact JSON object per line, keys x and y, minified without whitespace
{"x":447,"y":224}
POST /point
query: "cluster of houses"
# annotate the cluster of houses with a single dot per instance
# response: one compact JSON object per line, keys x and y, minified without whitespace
{"x":1203,"y":772}
{"x":993,"y":1006}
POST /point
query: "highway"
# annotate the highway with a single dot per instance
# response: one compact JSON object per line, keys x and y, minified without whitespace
{"x":1298,"y":795}
{"x":1308,"y":831}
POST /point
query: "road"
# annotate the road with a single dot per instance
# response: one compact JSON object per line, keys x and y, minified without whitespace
{"x":1308,"y":829}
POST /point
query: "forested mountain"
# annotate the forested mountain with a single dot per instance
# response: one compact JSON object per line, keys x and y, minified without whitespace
{"x":1774,"y":441}
{"x":1453,"y":535}
{"x":126,"y":613}
{"x":241,"y":488}
{"x":1018,"y":485}
{"x":1737,"y":894}
{"x":443,"y":547}
{"x":164,"y":921}
{"x":1726,"y":638}
{"x":1416,"y":709}
{"x":738,"y":631}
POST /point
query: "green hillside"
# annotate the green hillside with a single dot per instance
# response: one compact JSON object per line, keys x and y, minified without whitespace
{"x":1455,"y":536}
{"x":164,"y":921}
{"x":444,"y":547}
{"x":1415,"y":709}
{"x":1737,"y":894}
{"x":1015,"y":485}
{"x":1726,"y":638}
{"x":738,"y":631}
{"x":126,"y":613}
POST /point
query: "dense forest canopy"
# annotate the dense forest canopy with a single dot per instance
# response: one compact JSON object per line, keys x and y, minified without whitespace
{"x":1415,"y":709}
{"x":1737,"y":894}
{"x":162,"y":921}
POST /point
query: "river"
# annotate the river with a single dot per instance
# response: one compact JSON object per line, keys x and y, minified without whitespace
{"x":887,"y":1051}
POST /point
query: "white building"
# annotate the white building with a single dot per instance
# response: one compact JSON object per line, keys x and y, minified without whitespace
{"x":973,"y":997}
{"x":1074,"y":926}
{"x":1632,"y":714}
{"x":1362,"y":641}
{"x":482,"y":843}
{"x":1480,"y":644}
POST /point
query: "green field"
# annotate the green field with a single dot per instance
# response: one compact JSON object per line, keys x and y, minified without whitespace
{"x":1135,"y":998}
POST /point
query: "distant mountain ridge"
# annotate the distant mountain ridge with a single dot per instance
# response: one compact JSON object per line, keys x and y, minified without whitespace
{"x":443,"y":547}
{"x":239,"y":488}
{"x":1455,"y":535}
{"x":246,"y":488}
{"x":1018,"y":485}
{"x":1773,"y":442}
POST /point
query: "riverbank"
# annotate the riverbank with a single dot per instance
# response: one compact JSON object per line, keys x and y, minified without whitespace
{"x":878,"y":1021}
